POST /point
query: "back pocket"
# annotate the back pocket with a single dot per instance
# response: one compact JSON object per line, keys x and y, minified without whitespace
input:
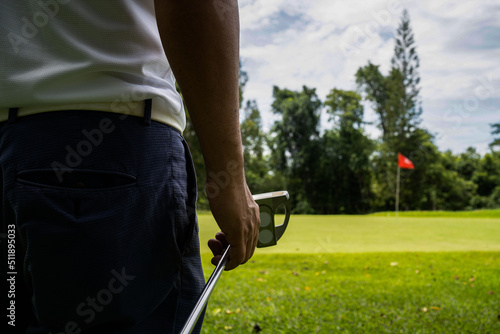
{"x":76,"y":179}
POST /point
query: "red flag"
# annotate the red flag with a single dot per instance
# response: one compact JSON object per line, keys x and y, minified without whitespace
{"x":404,"y":162}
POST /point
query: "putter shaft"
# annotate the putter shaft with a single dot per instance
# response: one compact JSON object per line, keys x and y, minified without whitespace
{"x":205,"y":294}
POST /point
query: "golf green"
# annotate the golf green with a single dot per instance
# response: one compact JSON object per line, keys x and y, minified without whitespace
{"x":363,"y":274}
{"x":360,"y":234}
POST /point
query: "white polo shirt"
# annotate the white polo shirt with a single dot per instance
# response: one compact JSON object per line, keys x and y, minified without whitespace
{"x":89,"y":55}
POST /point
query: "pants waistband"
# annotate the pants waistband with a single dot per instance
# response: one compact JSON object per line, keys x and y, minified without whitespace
{"x":141,"y":109}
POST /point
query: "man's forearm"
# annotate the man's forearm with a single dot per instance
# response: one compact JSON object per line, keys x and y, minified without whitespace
{"x":201,"y":40}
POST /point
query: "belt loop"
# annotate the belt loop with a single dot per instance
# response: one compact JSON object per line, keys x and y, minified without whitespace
{"x":13,"y":115}
{"x":147,"y":111}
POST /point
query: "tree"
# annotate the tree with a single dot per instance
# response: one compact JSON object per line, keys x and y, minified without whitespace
{"x":295,"y":139}
{"x":242,"y":81}
{"x":495,"y":131}
{"x":346,"y":105}
{"x":449,"y":189}
{"x":416,"y":184}
{"x":467,"y":163}
{"x":344,"y":174}
{"x":407,"y":62}
{"x":374,"y":85}
{"x":400,"y":133}
{"x":487,"y":175}
{"x":395,"y":99}
{"x":253,"y":140}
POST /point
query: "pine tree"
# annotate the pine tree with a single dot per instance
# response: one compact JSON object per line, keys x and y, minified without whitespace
{"x":395,"y":98}
{"x":495,"y":131}
{"x":242,"y":81}
{"x":407,"y":63}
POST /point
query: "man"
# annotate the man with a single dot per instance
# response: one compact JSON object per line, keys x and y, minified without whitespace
{"x":97,"y":188}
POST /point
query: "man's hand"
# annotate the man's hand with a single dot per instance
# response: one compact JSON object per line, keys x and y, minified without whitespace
{"x":218,"y":246}
{"x":237,"y":215}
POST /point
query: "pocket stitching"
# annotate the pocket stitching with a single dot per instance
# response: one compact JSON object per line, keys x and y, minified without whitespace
{"x":20,"y":180}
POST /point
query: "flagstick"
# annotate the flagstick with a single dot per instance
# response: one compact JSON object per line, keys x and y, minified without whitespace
{"x":397,"y":194}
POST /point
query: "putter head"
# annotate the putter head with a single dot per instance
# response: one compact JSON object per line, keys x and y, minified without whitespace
{"x":268,"y":203}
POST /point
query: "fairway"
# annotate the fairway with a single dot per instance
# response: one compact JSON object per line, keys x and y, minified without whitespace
{"x":363,"y":274}
{"x":446,"y":214}
{"x":361,"y":234}
{"x":359,"y":293}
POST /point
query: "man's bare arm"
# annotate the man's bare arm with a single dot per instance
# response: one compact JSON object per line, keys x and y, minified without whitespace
{"x":201,"y":41}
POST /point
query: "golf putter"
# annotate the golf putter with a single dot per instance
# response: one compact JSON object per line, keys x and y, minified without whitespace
{"x":269,"y":234}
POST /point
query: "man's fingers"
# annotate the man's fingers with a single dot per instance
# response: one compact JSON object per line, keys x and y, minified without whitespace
{"x":240,"y":222}
{"x":216,"y":259}
{"x":222,"y":238}
{"x":216,"y":247}
{"x":252,"y":244}
{"x":236,"y":257}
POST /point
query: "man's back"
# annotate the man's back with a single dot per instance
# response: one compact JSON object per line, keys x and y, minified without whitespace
{"x":97,"y":197}
{"x":102,"y":54}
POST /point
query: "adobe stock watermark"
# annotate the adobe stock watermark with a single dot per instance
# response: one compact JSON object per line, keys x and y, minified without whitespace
{"x":127,"y":102}
{"x":456,"y":115}
{"x":223,"y":7}
{"x":221,"y":179}
{"x":462,"y":110}
{"x":11,"y":274}
{"x":84,"y":148}
{"x":88,"y":309}
{"x":93,"y":138}
{"x":325,"y":245}
{"x":31,"y":25}
{"x":362,"y":36}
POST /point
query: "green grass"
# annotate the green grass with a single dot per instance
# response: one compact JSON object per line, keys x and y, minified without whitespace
{"x":447,"y":214}
{"x":360,"y":234}
{"x":363,"y":274}
{"x":359,"y":293}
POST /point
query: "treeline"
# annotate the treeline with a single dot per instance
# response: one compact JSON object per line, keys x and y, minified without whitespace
{"x":340,"y":169}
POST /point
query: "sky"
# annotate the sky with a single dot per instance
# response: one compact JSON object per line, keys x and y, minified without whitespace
{"x":322,"y":43}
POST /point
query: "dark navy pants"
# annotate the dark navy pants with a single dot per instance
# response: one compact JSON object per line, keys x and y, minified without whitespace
{"x":103,"y":210}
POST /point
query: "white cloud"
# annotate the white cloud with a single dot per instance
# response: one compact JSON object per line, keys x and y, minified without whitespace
{"x":256,"y":12}
{"x":322,"y":43}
